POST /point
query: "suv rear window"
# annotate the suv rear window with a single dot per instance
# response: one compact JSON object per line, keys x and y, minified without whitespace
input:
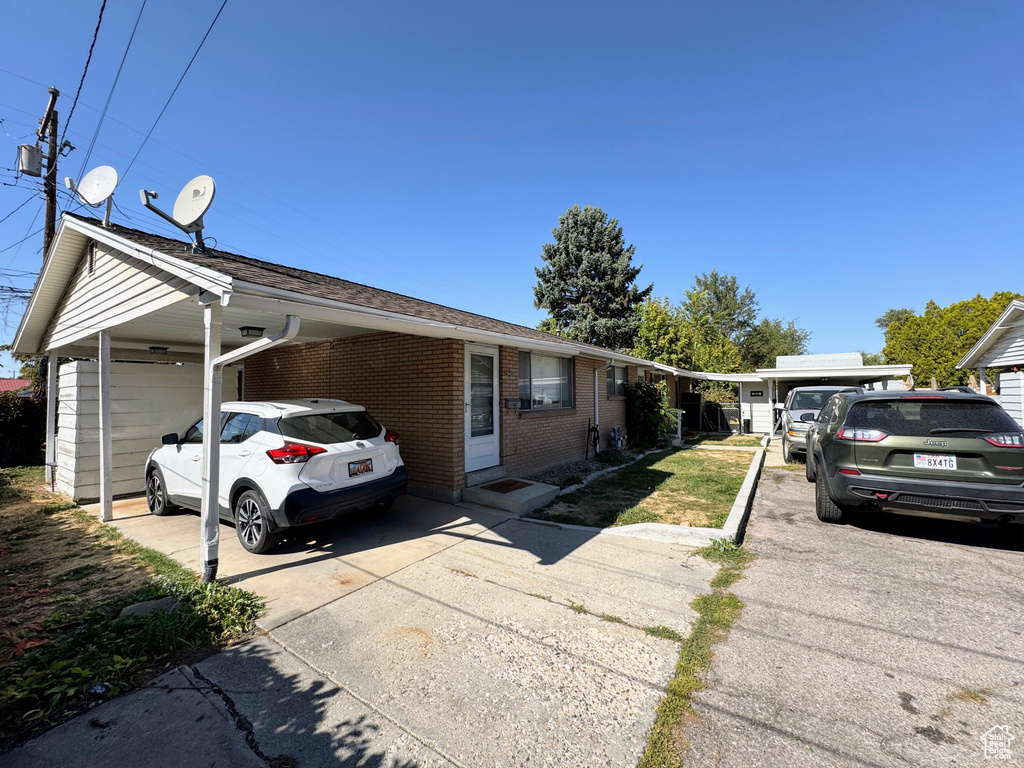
{"x":923,"y":418}
{"x":331,"y":427}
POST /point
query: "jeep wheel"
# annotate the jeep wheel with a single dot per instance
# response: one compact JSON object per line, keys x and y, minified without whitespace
{"x":252,"y":524}
{"x":809,"y":467}
{"x":828,"y":511}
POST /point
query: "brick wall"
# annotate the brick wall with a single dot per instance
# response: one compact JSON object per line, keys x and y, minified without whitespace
{"x":533,"y":440}
{"x":410,"y":384}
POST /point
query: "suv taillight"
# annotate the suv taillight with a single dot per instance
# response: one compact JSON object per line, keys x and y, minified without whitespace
{"x":1006,"y":440}
{"x":294,"y":453}
{"x":391,"y":437}
{"x":859,"y":435}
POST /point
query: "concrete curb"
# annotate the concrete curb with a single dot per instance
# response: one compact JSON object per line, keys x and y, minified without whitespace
{"x":733,"y":529}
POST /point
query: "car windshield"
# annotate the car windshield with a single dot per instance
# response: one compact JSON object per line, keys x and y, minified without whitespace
{"x":331,"y":427}
{"x":925,"y":418}
{"x":811,"y":401}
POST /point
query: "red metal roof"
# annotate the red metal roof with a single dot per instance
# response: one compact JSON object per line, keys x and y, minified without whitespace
{"x":13,"y":385}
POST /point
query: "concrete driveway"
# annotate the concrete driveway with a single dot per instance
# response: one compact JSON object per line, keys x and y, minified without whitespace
{"x":433,"y":635}
{"x":896,"y":641}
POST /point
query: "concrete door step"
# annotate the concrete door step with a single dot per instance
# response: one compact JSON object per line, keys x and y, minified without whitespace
{"x":521,"y":497}
{"x":482,"y":476}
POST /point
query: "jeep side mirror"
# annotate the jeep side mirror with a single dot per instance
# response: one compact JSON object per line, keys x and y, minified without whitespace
{"x":170,"y":439}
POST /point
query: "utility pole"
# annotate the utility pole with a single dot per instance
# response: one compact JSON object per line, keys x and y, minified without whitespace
{"x":48,"y":128}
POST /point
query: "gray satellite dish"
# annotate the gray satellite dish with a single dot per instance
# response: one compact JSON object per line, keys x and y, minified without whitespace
{"x":95,"y":188}
{"x":192,"y":203}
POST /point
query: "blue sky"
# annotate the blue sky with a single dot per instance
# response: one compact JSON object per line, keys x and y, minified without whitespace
{"x":839,"y":158}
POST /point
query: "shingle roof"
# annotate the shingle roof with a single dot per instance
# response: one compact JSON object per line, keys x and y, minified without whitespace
{"x":303,"y":281}
{"x":14,"y":385}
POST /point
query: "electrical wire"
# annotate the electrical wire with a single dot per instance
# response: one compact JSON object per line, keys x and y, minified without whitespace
{"x":88,"y":59}
{"x":5,"y":218}
{"x":26,"y":237}
{"x":110,"y":95}
{"x":180,"y":80}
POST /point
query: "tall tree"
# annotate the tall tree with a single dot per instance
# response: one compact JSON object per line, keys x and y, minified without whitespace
{"x":936,"y":341}
{"x":662,"y":333}
{"x":893,"y":316}
{"x":770,"y":339}
{"x":730,"y":310}
{"x":588,"y":281}
{"x":707,"y":347}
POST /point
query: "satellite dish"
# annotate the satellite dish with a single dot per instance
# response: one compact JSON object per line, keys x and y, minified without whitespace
{"x":95,"y":188}
{"x":192,"y":203}
{"x":194,"y":200}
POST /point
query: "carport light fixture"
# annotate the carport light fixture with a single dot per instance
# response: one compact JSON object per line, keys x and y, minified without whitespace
{"x":155,"y":350}
{"x":251,"y":331}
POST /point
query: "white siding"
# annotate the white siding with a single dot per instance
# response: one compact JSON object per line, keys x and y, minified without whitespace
{"x":1011,"y":394}
{"x":757,"y":409}
{"x":1006,"y":352}
{"x":118,"y":289}
{"x":146,"y":401}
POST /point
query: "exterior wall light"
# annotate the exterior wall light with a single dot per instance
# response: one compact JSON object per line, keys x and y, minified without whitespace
{"x":251,"y":331}
{"x":158,"y":350}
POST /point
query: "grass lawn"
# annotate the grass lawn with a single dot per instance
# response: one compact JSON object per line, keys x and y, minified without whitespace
{"x":680,"y":487}
{"x":740,"y":441}
{"x":64,"y":578}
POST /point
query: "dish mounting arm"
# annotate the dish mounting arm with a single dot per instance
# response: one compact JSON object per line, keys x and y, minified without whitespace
{"x":196,"y":227}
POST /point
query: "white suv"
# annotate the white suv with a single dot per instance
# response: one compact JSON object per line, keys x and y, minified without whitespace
{"x":282,"y":464}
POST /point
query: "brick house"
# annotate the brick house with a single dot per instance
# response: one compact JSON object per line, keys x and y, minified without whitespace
{"x":470,"y":396}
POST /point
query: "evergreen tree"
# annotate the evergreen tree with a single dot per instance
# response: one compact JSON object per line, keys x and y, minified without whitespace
{"x":588,"y":281}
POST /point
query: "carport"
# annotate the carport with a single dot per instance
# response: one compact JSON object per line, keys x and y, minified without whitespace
{"x":113,"y":293}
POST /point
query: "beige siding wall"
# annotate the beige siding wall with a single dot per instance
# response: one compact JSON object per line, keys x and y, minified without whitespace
{"x":116,"y":289}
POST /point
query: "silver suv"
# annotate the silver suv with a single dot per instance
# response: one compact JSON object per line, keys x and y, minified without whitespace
{"x":802,"y":406}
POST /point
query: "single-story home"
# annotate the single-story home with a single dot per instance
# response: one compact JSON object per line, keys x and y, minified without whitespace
{"x":1001,"y":348}
{"x":471,"y":397}
{"x":17,"y":385}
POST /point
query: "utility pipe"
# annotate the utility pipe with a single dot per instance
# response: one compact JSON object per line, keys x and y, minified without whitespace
{"x":213,"y":377}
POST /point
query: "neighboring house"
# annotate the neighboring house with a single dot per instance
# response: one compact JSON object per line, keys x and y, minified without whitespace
{"x":1001,"y":349}
{"x":471,"y":397}
{"x":15,"y":385}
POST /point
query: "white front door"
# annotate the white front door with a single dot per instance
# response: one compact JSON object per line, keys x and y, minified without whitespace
{"x":483,"y":448}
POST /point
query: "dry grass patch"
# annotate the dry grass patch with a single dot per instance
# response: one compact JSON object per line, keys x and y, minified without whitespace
{"x":680,"y":487}
{"x":737,"y":441}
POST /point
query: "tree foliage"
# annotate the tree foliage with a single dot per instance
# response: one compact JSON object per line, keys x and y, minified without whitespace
{"x":935,"y":341}
{"x":891,"y":316}
{"x":588,"y":281}
{"x":646,"y":413}
{"x":770,"y":339}
{"x":730,"y":311}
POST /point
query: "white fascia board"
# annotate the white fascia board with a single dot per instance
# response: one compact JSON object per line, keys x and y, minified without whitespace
{"x":205,"y":279}
{"x":326,"y":310}
{"x":864,"y":372}
{"x":1006,"y":321}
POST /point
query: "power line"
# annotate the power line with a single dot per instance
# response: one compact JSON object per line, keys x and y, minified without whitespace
{"x":22,"y":240}
{"x":88,"y":59}
{"x":5,"y":218}
{"x":110,"y":95}
{"x":180,"y":80}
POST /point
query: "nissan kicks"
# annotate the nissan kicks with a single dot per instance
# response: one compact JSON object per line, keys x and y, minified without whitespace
{"x":282,"y":464}
{"x":945,"y":454}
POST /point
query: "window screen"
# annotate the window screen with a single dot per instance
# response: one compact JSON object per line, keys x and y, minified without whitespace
{"x":616,"y":380}
{"x":545,"y":381}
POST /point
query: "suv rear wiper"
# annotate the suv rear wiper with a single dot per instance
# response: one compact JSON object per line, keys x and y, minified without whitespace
{"x":958,"y":429}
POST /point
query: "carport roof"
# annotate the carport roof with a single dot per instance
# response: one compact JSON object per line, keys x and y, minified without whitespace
{"x":246,"y":273}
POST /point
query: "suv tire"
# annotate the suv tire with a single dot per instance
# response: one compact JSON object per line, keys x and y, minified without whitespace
{"x":156,"y":494}
{"x":827,"y":510}
{"x":787,"y":454}
{"x":809,"y":467}
{"x":252,"y":524}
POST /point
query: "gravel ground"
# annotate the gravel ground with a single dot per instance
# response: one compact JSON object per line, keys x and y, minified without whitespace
{"x":895,"y":641}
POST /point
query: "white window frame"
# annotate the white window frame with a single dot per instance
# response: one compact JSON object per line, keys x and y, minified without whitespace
{"x":565,"y":363}
{"x":618,"y":376}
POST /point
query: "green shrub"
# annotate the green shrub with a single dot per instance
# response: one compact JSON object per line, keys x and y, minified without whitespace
{"x":22,"y":430}
{"x":646,"y":413}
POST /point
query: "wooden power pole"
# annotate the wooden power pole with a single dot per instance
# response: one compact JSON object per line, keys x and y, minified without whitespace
{"x":48,"y":128}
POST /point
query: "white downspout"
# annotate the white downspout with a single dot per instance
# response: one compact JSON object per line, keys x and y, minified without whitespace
{"x":106,"y":434}
{"x":597,"y":405}
{"x":51,"y":417}
{"x":213,"y":378}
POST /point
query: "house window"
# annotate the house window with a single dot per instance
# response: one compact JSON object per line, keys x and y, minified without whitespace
{"x":616,"y":380}
{"x":545,"y":381}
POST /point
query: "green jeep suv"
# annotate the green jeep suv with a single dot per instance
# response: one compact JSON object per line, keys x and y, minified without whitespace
{"x":939,"y":454}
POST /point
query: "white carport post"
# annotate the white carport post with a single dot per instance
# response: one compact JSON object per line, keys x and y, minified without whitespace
{"x":212,"y":381}
{"x":51,"y":417}
{"x":106,"y":438}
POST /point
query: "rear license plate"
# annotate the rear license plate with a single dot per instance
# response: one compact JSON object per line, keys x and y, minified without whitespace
{"x":360,"y":467}
{"x":933,"y":461}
